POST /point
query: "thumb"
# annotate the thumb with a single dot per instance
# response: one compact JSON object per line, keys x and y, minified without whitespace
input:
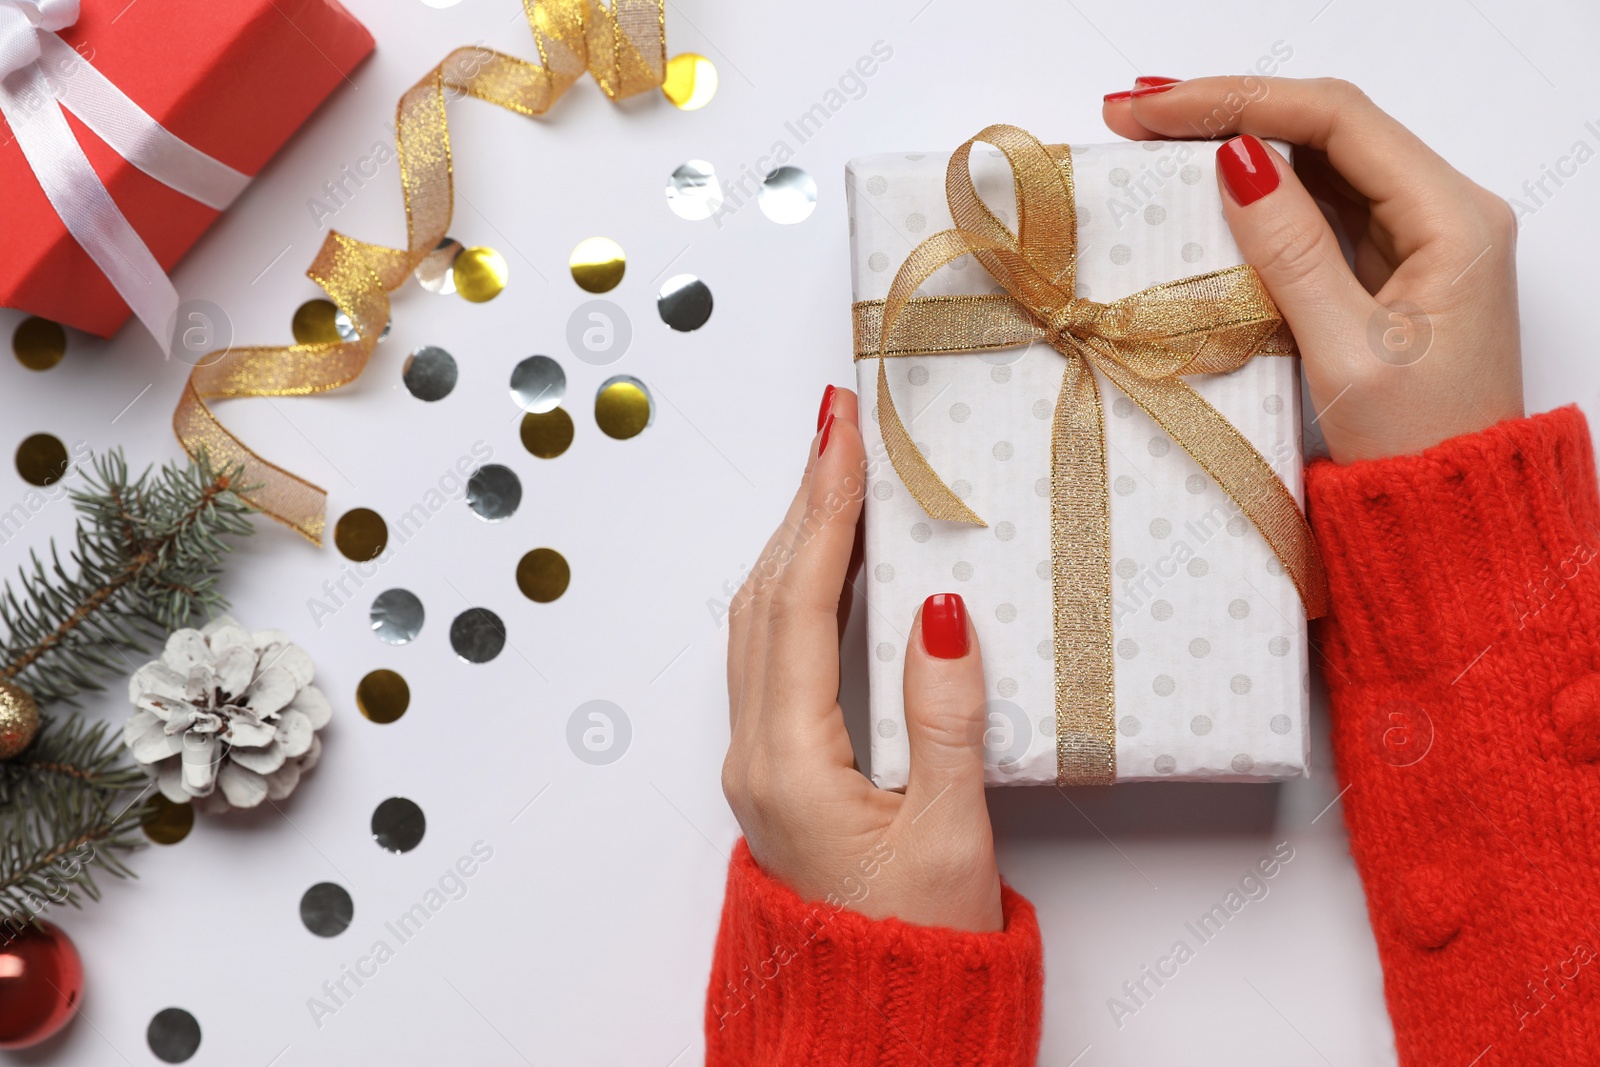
{"x":945,"y":715}
{"x":1283,"y":234}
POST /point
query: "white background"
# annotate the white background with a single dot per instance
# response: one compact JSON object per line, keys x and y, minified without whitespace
{"x":586,"y":939}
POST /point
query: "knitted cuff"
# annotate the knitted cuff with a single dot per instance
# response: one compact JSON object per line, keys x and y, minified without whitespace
{"x":1434,"y":557}
{"x":797,"y":983}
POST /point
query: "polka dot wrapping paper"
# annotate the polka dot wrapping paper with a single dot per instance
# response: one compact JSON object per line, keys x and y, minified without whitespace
{"x":1211,"y":669}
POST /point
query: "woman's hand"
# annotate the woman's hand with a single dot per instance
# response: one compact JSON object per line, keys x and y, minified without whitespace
{"x":1420,"y":342}
{"x":811,"y":819}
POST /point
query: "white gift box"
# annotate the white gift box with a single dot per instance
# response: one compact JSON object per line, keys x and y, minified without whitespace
{"x":1211,"y":670}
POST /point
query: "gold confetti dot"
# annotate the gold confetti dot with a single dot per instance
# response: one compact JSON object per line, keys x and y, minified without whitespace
{"x":547,"y":434}
{"x":691,"y":81}
{"x":361,"y":534}
{"x":598,"y":264}
{"x":480,"y":274}
{"x":543,"y":575}
{"x":314,"y":323}
{"x":39,"y":343}
{"x":168,"y":822}
{"x":42,"y":459}
{"x":383,"y":696}
{"x":622,"y":407}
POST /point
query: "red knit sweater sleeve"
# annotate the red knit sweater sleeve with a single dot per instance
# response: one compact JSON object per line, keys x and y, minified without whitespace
{"x":1461,"y":659}
{"x":797,"y":984}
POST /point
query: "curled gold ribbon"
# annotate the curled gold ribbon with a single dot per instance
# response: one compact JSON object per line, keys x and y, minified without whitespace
{"x":1143,"y":343}
{"x":623,"y":47}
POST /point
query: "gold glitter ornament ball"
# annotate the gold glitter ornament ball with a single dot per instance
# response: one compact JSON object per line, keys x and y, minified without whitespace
{"x":19,"y":720}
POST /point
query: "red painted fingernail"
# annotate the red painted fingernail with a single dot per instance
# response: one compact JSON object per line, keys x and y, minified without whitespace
{"x":1125,"y":94}
{"x":1151,"y":90}
{"x":944,"y":626}
{"x":1147,"y":80}
{"x":827,"y":428}
{"x":1247,"y":169}
{"x":827,"y":405}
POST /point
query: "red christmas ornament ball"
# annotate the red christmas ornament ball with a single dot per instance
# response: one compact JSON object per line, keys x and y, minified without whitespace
{"x":41,"y":982}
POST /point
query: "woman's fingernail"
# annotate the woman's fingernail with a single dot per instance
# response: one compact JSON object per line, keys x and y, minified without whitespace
{"x":827,"y":428}
{"x":1125,"y":94}
{"x":944,"y":626}
{"x":1151,"y":90}
{"x":1247,"y":169}
{"x":1144,"y":81}
{"x":827,"y":405}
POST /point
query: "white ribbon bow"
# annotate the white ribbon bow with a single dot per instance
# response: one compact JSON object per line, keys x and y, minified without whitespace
{"x":39,"y":75}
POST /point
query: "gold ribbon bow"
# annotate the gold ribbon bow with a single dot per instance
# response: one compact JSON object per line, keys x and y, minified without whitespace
{"x":623,"y":46}
{"x":1143,"y":343}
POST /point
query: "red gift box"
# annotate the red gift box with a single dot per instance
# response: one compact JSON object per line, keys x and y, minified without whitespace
{"x":233,"y":78}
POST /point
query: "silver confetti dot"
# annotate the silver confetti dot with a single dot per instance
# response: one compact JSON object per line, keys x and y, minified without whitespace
{"x":1280,"y":724}
{"x":436,"y":273}
{"x":1127,"y":648}
{"x":1278,"y":646}
{"x":429,"y":373}
{"x":326,"y":909}
{"x":1121,"y":254}
{"x":1161,"y":611}
{"x":962,"y":571}
{"x":684,"y":302}
{"x":877,"y":185}
{"x":1129,"y":726}
{"x":921,"y":532}
{"x":878,"y":262}
{"x":1006,"y":613}
{"x":1003,"y":450}
{"x":1124,"y":485}
{"x":494,"y":492}
{"x":884,"y":572}
{"x":1126,"y":568}
{"x":477,"y":635}
{"x":1159,"y":446}
{"x":960,"y":412}
{"x":1163,"y":685}
{"x":1198,"y":568}
{"x":396,"y":616}
{"x":789,"y":195}
{"x":345,"y":326}
{"x":1160,"y":529}
{"x":1200,"y":725}
{"x":1239,"y":609}
{"x":1006,"y":687}
{"x":538,"y":384}
{"x":1243,"y":764}
{"x":1199,"y":648}
{"x":1165,"y":764}
{"x":1155,"y":214}
{"x":1122,"y":407}
{"x":1195,"y":484}
{"x":917,"y":375}
{"x":173,"y":1035}
{"x":398,"y":825}
{"x":693,"y":191}
{"x":1240,"y":683}
{"x":1005,"y":531}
